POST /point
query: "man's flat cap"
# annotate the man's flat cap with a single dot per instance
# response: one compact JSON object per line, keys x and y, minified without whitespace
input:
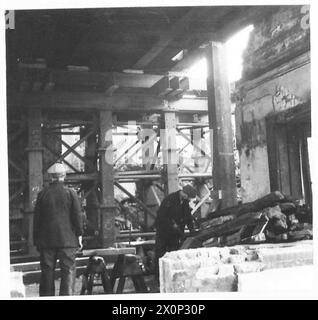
{"x":190,"y":191}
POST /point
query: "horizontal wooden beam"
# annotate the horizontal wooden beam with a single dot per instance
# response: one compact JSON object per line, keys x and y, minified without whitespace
{"x":135,"y":80}
{"x":199,"y":105}
{"x":100,"y":101}
{"x":86,"y":80}
{"x":169,"y":87}
{"x":162,"y":87}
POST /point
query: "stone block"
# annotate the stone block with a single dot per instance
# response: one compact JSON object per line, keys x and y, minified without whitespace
{"x":218,"y":269}
{"x":248,"y":267}
{"x":216,"y":283}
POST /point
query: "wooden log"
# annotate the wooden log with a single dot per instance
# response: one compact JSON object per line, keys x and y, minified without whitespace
{"x":217,"y":221}
{"x":233,"y":239}
{"x":267,"y":201}
{"x":231,"y":226}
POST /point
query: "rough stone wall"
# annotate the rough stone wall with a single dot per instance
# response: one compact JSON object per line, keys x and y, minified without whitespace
{"x":277,"y":39}
{"x":276,"y":76}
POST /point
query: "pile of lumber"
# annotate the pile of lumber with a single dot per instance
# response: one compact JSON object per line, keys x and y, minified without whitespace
{"x":272,"y":218}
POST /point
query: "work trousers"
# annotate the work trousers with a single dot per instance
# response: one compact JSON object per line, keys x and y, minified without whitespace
{"x":164,"y":244}
{"x":48,"y":259}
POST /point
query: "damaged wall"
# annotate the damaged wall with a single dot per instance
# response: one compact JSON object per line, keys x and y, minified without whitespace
{"x":276,"y":76}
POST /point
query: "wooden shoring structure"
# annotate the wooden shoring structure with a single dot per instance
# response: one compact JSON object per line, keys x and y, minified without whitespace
{"x":71,"y":149}
{"x":193,"y":144}
{"x":101,"y":177}
{"x":143,"y":145}
{"x":63,"y":160}
{"x":120,"y":187}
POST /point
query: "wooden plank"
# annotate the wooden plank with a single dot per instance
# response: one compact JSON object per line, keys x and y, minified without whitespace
{"x":107,"y":206}
{"x":35,"y":265}
{"x":219,"y":106}
{"x":35,"y":165}
{"x":109,"y":251}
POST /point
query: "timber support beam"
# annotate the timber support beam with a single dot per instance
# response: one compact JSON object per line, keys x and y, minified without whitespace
{"x":170,"y":156}
{"x":107,"y":203}
{"x":219,"y":111}
{"x":35,"y":162}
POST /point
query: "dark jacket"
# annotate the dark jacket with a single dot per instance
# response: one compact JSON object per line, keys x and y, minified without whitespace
{"x":58,"y":220}
{"x":171,"y":213}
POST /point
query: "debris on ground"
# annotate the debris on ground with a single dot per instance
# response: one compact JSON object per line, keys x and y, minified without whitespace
{"x":272,"y":218}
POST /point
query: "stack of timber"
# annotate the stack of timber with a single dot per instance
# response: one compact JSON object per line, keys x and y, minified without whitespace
{"x":272,"y":218}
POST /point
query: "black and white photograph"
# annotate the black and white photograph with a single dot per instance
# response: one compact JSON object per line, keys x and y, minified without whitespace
{"x":157,"y":149}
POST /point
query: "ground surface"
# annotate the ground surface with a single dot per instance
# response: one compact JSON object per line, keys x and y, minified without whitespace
{"x":32,"y":290}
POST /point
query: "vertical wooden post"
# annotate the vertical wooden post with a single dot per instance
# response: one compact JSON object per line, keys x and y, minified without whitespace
{"x":92,"y":203}
{"x":148,"y":151}
{"x":219,"y":109}
{"x":35,"y":167}
{"x":147,"y":158}
{"x":170,"y":151}
{"x":107,"y":206}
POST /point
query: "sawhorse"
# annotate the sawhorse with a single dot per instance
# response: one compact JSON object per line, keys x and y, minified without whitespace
{"x":126,"y":265}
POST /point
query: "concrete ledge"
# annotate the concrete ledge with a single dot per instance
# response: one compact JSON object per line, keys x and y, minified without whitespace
{"x":17,"y":288}
{"x":294,"y":279}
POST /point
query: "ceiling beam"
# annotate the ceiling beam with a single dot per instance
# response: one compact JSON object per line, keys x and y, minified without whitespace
{"x":100,"y":101}
{"x":106,"y":79}
{"x":165,"y":40}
